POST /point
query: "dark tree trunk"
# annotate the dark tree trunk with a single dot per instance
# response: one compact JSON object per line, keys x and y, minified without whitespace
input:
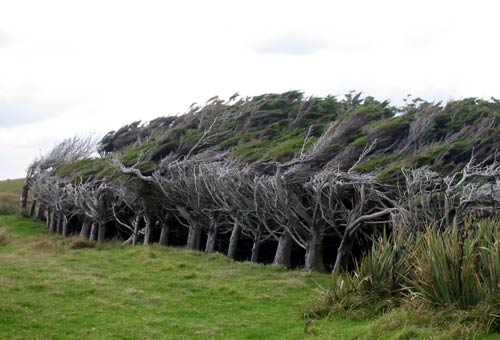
{"x":211,"y":238}
{"x":65,"y":226}
{"x":314,"y":251}
{"x":93,"y":232}
{"x":53,"y":221}
{"x":24,"y":195}
{"x":85,"y":228}
{"x":48,"y":219}
{"x":165,"y":231}
{"x":233,"y":240}
{"x":59,"y":223}
{"x":343,"y":255}
{"x":40,"y":212}
{"x":101,"y":235}
{"x":284,"y":250}
{"x":31,"y":212}
{"x":194,"y":237}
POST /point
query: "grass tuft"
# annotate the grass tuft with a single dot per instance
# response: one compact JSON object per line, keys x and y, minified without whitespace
{"x":4,"y":237}
{"x":81,"y":243}
{"x":44,"y":245}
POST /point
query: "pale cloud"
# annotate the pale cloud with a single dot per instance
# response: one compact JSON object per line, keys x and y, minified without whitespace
{"x":291,"y":44}
{"x":11,"y":115}
{"x":4,"y":39}
{"x":78,"y":67}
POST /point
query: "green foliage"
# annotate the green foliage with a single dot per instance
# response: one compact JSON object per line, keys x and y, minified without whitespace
{"x":87,"y":168}
{"x":146,"y":166}
{"x":360,"y":141}
{"x":272,"y":127}
{"x":391,"y":171}
{"x":234,"y":141}
{"x":428,"y":157}
{"x":380,"y":271}
{"x":377,"y":163}
{"x":373,"y":288}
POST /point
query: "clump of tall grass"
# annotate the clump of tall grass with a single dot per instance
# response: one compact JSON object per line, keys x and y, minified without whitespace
{"x":459,"y":268}
{"x":374,"y":286}
{"x":4,"y":237}
{"x":455,"y":269}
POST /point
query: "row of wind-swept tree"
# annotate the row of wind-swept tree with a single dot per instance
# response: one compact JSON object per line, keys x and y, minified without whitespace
{"x":312,"y":201}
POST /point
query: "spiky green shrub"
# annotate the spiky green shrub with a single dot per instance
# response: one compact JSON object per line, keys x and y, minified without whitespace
{"x":347,"y":295}
{"x":382,"y":270}
{"x":444,"y":269}
{"x":374,"y":286}
{"x":456,"y":269}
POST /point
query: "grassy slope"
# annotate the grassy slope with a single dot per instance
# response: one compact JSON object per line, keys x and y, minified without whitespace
{"x":10,"y":191}
{"x":50,"y":291}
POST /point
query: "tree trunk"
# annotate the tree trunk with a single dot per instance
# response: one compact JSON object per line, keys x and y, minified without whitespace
{"x":447,"y":209}
{"x":64,"y":226}
{"x":194,"y":237}
{"x":48,"y":219}
{"x":93,"y":232}
{"x":211,"y":238}
{"x":165,"y":231}
{"x":233,"y":241}
{"x":31,"y":212}
{"x":284,"y":250}
{"x":136,"y":229}
{"x":255,"y":251}
{"x":343,"y":254}
{"x":147,"y":230}
{"x":85,"y":228}
{"x":40,"y":212}
{"x":59,"y":223}
{"x":101,"y":235}
{"x":24,"y":195}
{"x":53,"y":221}
{"x":314,"y":251}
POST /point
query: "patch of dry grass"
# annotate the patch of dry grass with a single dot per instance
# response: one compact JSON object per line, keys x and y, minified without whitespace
{"x":4,"y":237}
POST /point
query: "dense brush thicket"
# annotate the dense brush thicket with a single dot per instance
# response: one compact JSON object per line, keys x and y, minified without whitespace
{"x":277,"y":178}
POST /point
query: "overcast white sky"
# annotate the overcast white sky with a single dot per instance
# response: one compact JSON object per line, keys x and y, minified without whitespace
{"x":74,"y":67}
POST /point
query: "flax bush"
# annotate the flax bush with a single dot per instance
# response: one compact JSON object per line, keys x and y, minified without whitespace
{"x":454,"y":269}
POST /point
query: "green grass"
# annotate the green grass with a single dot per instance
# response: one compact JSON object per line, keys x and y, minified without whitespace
{"x":50,"y":291}
{"x":10,"y":191}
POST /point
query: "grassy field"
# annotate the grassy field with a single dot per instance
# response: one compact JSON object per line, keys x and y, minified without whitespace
{"x":10,"y":190}
{"x":50,"y":291}
{"x":62,"y":288}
